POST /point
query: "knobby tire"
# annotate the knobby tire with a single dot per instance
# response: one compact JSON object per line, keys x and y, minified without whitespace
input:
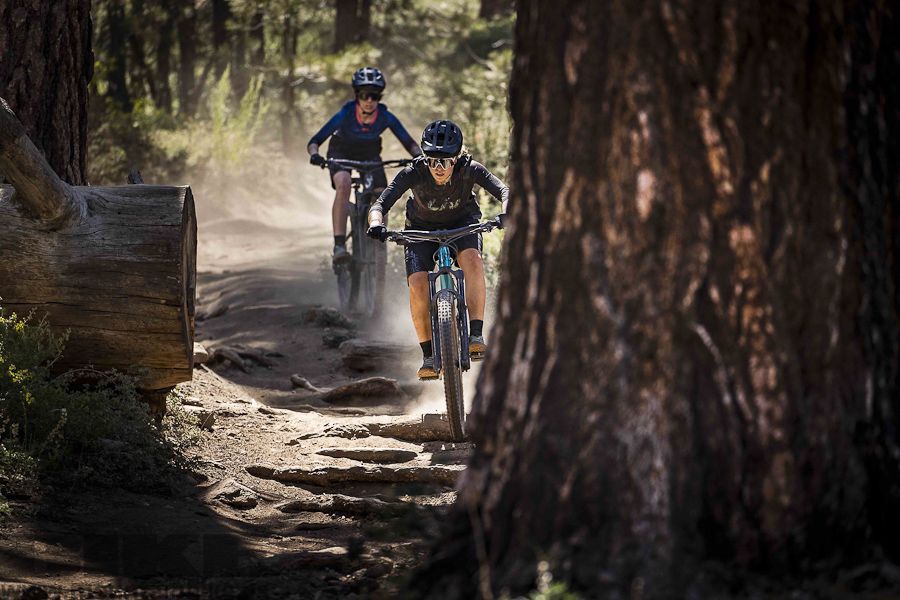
{"x":451,"y":372}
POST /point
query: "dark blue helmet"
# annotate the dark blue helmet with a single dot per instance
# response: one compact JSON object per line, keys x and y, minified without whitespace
{"x":368,"y":77}
{"x":442,"y":139}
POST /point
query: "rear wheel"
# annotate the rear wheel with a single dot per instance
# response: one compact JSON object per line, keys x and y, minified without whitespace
{"x":371,"y":266}
{"x":345,"y":283}
{"x":451,"y":371}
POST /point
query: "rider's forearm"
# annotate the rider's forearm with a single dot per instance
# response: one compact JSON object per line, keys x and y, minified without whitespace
{"x":503,"y":206}
{"x":312,"y":149}
{"x":376,"y":216}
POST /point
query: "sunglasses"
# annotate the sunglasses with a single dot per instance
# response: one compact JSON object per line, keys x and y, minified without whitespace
{"x":369,"y":96}
{"x":444,"y":163}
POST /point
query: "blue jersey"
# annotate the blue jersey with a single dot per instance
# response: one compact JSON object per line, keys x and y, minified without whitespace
{"x":349,"y":133}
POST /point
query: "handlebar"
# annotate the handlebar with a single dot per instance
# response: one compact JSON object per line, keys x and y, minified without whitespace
{"x":365,"y":165}
{"x":445,"y":236}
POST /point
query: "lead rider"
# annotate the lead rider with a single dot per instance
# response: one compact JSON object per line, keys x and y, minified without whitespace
{"x":355,"y":133}
{"x":442,"y":183}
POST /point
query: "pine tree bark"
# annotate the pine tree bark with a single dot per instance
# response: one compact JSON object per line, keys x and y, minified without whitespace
{"x":351,"y":22}
{"x":289,"y":55}
{"x":221,"y":15}
{"x":490,"y":9}
{"x":46,"y":63}
{"x":187,"y":61}
{"x":696,"y":354}
{"x":164,"y":56}
{"x":142,"y":74}
{"x":258,"y":35}
{"x":117,"y":38}
{"x":240,"y":80}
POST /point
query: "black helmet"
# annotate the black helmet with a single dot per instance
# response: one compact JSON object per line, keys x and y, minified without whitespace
{"x":442,"y":139}
{"x":368,"y":77}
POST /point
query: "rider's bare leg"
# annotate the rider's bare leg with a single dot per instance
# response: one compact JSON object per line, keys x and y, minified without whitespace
{"x":420,"y":305}
{"x":340,"y":210}
{"x":473,"y":268}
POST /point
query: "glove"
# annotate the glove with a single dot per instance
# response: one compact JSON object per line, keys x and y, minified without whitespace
{"x":501,"y":220}
{"x":317,"y":160}
{"x":377,"y":232}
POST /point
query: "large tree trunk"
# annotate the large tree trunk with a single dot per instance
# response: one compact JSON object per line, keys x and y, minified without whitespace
{"x":221,"y":15}
{"x":351,"y":22}
{"x":117,"y":38}
{"x":164,"y":55}
{"x":45,"y":66}
{"x":289,"y":55}
{"x":490,"y":9}
{"x":115,"y":267}
{"x":141,"y":71}
{"x":240,"y":78}
{"x":696,"y":355}
{"x":187,"y":60}
{"x":258,"y":35}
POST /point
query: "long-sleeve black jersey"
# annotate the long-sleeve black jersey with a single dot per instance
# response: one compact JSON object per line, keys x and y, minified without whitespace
{"x":432,"y":204}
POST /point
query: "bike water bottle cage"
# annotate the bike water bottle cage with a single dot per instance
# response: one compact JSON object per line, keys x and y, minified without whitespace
{"x":442,"y":139}
{"x":369,"y":77}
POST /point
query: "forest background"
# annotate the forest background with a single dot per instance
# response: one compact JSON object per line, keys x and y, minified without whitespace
{"x":230,"y":91}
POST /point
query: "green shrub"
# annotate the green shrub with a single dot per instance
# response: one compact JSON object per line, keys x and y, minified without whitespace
{"x":84,"y":427}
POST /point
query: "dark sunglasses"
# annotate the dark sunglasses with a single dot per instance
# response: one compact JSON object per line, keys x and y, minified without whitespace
{"x":446,"y":163}
{"x":369,"y":96}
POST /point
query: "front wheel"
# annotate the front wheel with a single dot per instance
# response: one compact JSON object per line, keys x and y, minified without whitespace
{"x":451,"y":371}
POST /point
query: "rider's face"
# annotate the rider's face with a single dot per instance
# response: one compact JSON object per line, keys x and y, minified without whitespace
{"x":439,"y":171}
{"x":368,"y":100}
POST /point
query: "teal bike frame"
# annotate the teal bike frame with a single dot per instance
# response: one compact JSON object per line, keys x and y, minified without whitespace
{"x":451,"y":281}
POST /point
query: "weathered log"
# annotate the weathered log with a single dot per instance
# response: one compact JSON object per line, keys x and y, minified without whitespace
{"x":115,"y":267}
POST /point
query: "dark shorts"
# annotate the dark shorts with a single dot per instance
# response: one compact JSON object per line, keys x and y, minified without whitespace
{"x":421,"y":256}
{"x":379,"y":178}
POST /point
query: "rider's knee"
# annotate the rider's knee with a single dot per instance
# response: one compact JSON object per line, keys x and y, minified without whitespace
{"x":342,"y":182}
{"x":418,"y":282}
{"x":471,"y":258}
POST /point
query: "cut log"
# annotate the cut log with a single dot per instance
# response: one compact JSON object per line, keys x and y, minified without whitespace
{"x":366,"y":355}
{"x":113,"y":266}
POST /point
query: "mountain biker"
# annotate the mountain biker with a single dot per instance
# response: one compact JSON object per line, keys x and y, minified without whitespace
{"x":355,"y":132}
{"x":442,"y":198}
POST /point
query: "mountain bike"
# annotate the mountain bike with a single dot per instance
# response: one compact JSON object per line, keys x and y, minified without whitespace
{"x":449,"y":314}
{"x":360,"y":280}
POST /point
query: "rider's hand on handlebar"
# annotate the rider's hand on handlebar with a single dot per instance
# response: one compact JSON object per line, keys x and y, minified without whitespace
{"x":317,"y":160}
{"x":377,"y":232}
{"x":502,"y":220}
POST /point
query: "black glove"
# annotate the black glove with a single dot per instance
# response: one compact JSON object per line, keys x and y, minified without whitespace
{"x":377,"y":232}
{"x":317,"y":160}
{"x":501,"y":220}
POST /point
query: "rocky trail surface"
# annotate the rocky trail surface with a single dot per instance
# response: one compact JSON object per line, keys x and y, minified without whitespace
{"x":320,"y":472}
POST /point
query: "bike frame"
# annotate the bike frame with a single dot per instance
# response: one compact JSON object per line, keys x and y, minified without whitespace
{"x":452,"y":281}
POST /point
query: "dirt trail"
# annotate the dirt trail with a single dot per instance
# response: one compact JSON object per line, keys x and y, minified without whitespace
{"x":294,"y":497}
